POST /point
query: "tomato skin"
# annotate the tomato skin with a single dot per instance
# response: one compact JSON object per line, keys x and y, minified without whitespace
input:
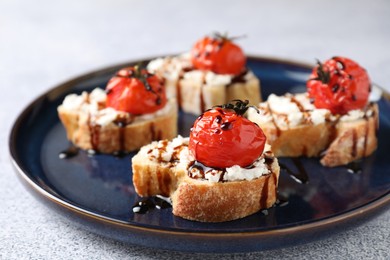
{"x":346,"y":88}
{"x":218,"y":54}
{"x":221,"y":138}
{"x":127,"y":92}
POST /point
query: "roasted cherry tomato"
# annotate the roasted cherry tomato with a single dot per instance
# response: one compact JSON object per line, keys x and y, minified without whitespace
{"x":340,"y":85}
{"x":218,"y":54}
{"x":135,"y":91}
{"x":222,"y":137}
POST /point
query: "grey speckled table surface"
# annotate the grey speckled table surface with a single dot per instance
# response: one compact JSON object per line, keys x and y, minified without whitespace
{"x":43,"y":43}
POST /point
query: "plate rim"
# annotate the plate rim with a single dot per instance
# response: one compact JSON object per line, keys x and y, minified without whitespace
{"x":377,"y":203}
{"x":339,"y":218}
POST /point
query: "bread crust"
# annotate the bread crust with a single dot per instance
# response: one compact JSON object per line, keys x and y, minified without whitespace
{"x":224,"y":201}
{"x":303,"y":140}
{"x":354,"y":140}
{"x":337,"y":142}
{"x":152,"y":178}
{"x":249,"y":90}
{"x":111,"y":138}
{"x":201,"y":200}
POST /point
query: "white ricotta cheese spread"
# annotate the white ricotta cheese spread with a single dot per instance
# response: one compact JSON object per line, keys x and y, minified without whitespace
{"x":93,"y":105}
{"x":282,"y":104}
{"x":237,"y":173}
{"x":171,"y":67}
{"x":293,"y":110}
{"x":217,"y":79}
{"x":164,"y":151}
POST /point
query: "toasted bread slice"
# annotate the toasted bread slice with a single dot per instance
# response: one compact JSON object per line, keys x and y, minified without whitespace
{"x":224,"y":201}
{"x":198,"y":90}
{"x":353,"y":140}
{"x":91,"y":126}
{"x":294,"y":127}
{"x":164,"y":168}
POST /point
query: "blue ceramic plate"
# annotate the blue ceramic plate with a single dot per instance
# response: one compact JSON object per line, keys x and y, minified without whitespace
{"x":97,"y":192}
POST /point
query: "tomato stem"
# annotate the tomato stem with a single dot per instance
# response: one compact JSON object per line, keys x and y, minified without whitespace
{"x":322,"y":75}
{"x":225,"y":36}
{"x":240,"y":107}
{"x":140,"y":73}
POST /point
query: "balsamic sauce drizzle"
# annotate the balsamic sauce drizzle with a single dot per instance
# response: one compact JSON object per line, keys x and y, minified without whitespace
{"x":70,"y":152}
{"x":201,"y":96}
{"x":227,"y":126}
{"x":300,"y":175}
{"x":202,"y":169}
{"x":73,"y":151}
{"x":120,"y":154}
{"x":146,"y":204}
{"x":278,"y":131}
{"x":240,"y":78}
{"x":354,"y":167}
{"x":281,"y":201}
